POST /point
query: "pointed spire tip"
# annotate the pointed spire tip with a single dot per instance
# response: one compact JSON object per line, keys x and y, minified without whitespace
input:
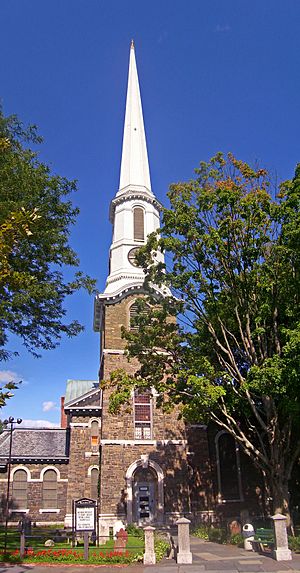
{"x":132,"y":44}
{"x":134,"y":160}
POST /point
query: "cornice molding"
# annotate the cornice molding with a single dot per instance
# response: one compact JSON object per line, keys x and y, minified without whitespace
{"x":130,"y":195}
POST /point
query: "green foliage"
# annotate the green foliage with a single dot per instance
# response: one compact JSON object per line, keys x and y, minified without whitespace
{"x":217,"y":535}
{"x":161,"y":547}
{"x":237,"y":539}
{"x":63,"y":553}
{"x":294,"y":543}
{"x":135,"y":531}
{"x":36,"y":215}
{"x":10,"y":557}
{"x":225,"y":345}
{"x":201,"y":531}
{"x":96,"y":556}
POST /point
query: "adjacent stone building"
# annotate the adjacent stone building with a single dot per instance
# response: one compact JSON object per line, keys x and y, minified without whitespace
{"x":143,"y":466}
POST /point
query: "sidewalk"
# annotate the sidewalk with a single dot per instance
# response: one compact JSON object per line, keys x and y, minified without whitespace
{"x":207,"y":557}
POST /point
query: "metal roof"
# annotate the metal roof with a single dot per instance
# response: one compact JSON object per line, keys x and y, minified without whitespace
{"x":77,"y":388}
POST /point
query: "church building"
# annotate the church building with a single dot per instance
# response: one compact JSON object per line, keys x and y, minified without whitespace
{"x":143,"y":466}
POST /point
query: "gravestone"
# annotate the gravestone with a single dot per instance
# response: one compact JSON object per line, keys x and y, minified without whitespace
{"x":121,"y":541}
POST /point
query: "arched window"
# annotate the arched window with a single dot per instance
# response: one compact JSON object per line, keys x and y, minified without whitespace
{"x":142,"y":415}
{"x":20,"y":488}
{"x":50,"y":489}
{"x":133,"y":311}
{"x":94,"y":434}
{"x":138,"y":224}
{"x":228,"y":468}
{"x":94,"y":483}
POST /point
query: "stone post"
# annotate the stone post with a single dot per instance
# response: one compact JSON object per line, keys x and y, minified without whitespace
{"x":184,"y":554}
{"x":281,"y":551}
{"x":149,"y":555}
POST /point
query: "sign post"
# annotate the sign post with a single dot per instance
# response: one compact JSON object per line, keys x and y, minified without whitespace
{"x":85,"y":520}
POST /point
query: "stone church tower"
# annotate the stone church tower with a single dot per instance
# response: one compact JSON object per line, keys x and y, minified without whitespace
{"x":143,"y":468}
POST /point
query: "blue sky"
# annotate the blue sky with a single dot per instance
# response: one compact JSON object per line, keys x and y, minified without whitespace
{"x":214,"y":76}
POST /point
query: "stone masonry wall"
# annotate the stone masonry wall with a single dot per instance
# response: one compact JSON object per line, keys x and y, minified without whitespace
{"x":117,"y":458}
{"x":119,"y":449}
{"x":34,"y":493}
{"x":166,"y":426}
{"x":116,"y":316}
{"x":82,"y":457}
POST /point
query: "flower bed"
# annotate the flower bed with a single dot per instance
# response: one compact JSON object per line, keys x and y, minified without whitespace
{"x":70,"y":556}
{"x":97,"y":555}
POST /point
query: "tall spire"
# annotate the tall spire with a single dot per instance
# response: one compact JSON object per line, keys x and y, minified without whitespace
{"x":134,"y":211}
{"x":134,"y":163}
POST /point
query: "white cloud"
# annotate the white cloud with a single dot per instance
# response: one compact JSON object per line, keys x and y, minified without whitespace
{"x":9,"y":376}
{"x":38,"y":424}
{"x":49,"y":405}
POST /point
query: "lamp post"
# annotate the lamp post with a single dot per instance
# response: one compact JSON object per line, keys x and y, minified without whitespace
{"x":10,"y":422}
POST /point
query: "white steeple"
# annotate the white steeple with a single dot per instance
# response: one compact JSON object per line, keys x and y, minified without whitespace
{"x":134,"y":212}
{"x":134,"y":163}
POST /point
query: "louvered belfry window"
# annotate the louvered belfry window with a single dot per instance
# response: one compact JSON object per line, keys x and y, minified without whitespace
{"x":50,"y":490}
{"x":132,"y":313}
{"x":20,"y":489}
{"x":142,"y":416}
{"x":94,"y":483}
{"x":138,"y":224}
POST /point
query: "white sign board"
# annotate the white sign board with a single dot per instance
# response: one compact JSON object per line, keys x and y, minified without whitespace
{"x":85,"y":518}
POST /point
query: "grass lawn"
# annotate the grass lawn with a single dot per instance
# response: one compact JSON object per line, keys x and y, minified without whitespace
{"x":63,"y":552}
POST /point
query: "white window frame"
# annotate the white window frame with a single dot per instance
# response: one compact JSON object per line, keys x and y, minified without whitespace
{"x":141,"y":241}
{"x":147,"y":424}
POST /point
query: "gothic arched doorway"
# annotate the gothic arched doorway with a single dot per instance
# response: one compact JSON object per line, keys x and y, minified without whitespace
{"x":144,"y":493}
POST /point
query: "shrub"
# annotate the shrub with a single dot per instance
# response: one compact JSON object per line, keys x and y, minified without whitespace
{"x":10,"y":557}
{"x":135,"y":531}
{"x":161,"y":547}
{"x":217,"y":535}
{"x":237,"y":539}
{"x":201,"y":531}
{"x":294,"y":543}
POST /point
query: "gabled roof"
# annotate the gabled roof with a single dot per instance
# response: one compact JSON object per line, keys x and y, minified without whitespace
{"x":35,"y":443}
{"x":78,"y":389}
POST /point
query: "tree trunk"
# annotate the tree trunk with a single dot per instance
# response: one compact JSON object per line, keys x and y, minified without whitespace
{"x":281,"y":497}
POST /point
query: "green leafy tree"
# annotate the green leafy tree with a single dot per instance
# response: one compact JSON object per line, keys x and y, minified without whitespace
{"x":35,"y":219}
{"x":233,"y":355}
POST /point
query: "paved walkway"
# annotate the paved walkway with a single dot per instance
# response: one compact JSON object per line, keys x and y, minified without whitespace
{"x":207,"y":558}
